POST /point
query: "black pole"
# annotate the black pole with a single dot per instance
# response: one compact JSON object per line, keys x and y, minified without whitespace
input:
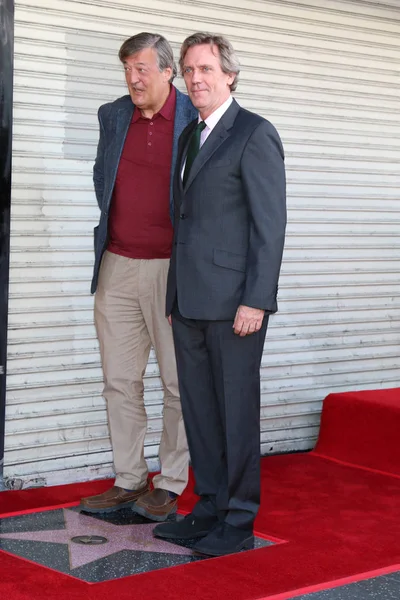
{"x":6,"y":100}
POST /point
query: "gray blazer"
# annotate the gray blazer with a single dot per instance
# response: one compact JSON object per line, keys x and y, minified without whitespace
{"x":114,"y":119}
{"x":230,"y":220}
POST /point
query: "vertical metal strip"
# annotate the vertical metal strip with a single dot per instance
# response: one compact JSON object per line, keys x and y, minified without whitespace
{"x":6,"y":100}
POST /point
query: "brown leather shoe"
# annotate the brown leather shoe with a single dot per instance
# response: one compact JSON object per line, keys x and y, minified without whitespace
{"x":111,"y":500}
{"x":156,"y":505}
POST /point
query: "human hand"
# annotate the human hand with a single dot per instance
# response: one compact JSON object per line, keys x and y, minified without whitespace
{"x":248,"y":320}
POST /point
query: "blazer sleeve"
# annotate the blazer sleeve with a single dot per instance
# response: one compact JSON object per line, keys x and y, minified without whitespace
{"x":263,"y":178}
{"x":98,"y":168}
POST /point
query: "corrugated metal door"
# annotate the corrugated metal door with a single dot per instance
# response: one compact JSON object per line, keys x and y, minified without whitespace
{"x":327,"y":75}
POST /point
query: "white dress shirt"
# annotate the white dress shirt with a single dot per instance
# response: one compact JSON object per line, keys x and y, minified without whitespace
{"x":213,"y":119}
{"x":211,"y":122}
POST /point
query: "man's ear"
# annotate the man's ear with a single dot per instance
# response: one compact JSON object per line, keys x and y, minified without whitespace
{"x":167,"y":73}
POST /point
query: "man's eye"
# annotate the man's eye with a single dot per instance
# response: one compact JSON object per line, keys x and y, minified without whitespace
{"x":206,"y":69}
{"x":187,"y":70}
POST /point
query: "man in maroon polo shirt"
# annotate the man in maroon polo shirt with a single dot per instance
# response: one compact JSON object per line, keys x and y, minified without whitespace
{"x":132,"y":178}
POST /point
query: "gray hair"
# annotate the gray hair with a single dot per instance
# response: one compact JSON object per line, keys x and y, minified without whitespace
{"x":141,"y":41}
{"x":228,"y":60}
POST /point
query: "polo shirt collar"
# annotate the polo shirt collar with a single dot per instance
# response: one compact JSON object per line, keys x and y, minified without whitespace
{"x":167,"y":111}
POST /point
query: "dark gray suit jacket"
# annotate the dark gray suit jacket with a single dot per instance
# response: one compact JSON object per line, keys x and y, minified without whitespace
{"x":230,"y":220}
{"x":114,"y":119}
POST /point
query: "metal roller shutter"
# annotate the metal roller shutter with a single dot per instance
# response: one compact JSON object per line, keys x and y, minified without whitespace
{"x":327,"y":75}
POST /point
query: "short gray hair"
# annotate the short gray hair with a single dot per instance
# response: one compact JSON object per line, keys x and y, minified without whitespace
{"x":228,"y":60}
{"x":141,"y":41}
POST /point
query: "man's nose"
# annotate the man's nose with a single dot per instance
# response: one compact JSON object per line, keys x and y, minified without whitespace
{"x":196,"y":76}
{"x":133,"y":77}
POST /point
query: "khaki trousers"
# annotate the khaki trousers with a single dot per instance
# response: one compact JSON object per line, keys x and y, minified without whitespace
{"x":130,"y":318}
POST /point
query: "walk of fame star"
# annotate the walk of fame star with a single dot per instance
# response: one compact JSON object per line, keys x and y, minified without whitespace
{"x":120,"y":537}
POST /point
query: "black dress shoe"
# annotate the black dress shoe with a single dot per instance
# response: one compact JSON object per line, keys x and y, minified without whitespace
{"x":190,"y":527}
{"x":225,"y":539}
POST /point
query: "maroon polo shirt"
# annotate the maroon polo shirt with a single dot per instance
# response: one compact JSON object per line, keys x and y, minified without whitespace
{"x":139,"y":221}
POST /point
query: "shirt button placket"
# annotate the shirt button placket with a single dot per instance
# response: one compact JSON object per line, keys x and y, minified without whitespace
{"x":149,"y":142}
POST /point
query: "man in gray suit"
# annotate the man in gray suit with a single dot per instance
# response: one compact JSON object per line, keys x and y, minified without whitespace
{"x":230,"y":219}
{"x":132,"y":178}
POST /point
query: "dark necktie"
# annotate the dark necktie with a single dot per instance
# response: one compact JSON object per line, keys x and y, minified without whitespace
{"x":193,"y":150}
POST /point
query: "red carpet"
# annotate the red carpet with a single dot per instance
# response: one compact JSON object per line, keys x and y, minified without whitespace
{"x":341,"y":523}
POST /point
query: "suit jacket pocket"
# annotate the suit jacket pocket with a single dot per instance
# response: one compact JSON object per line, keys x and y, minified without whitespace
{"x":224,"y":162}
{"x":229,"y":260}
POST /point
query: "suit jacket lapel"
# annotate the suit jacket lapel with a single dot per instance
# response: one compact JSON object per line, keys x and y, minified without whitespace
{"x":124,"y":118}
{"x":184,"y":114}
{"x":182,"y":153}
{"x":114,"y":151}
{"x":218,"y":135}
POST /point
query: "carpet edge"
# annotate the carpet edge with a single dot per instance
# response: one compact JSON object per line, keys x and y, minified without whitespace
{"x":334,"y":583}
{"x":353,"y":465}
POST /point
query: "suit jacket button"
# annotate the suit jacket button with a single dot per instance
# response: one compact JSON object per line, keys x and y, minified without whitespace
{"x":183,"y":216}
